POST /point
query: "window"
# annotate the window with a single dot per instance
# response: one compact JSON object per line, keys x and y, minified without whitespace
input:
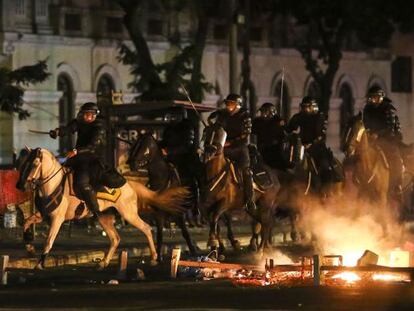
{"x":73,"y":22}
{"x":66,"y":110}
{"x":155,"y":27}
{"x":283,"y":107}
{"x":401,"y":75}
{"x":41,"y":7}
{"x":220,"y":32}
{"x":20,"y":7}
{"x":104,"y":90}
{"x":114,"y":25}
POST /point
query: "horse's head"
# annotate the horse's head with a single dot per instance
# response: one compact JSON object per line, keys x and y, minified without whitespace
{"x":353,"y":135}
{"x":29,"y":165}
{"x":214,"y":137}
{"x":142,"y":152}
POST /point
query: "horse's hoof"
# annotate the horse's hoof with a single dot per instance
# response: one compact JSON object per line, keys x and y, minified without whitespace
{"x":154,"y":262}
{"x":236,"y":245}
{"x":101,"y":266}
{"x":221,"y":249}
{"x":39,"y":266}
{"x":30,"y":249}
{"x":253,"y":247}
{"x":221,"y":257}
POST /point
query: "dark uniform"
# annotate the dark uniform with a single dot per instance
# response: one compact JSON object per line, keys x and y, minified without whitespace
{"x":238,"y":127}
{"x":380,"y":119}
{"x":88,"y":160}
{"x":312,"y":124}
{"x":269,"y":130}
{"x":179,"y":143}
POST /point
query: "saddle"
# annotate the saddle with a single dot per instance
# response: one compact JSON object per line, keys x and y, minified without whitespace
{"x":103,"y":192}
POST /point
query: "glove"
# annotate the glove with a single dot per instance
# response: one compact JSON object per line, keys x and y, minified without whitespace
{"x":54,"y":133}
{"x":71,"y":153}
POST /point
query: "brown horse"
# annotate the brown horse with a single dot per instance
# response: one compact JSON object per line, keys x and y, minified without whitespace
{"x":223,"y":192}
{"x":370,"y":167}
{"x":40,"y":168}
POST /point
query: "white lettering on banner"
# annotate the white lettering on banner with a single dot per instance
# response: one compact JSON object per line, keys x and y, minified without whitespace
{"x":130,"y":135}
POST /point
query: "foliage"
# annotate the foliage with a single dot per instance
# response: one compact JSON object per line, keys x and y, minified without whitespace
{"x":163,"y":81}
{"x":12,"y":84}
{"x":324,"y":26}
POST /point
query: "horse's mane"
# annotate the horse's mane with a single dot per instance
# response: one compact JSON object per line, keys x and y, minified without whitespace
{"x":50,"y":154}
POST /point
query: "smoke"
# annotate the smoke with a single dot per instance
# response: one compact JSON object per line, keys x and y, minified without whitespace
{"x":347,"y":226}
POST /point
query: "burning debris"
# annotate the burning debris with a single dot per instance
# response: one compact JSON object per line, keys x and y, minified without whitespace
{"x":317,"y":270}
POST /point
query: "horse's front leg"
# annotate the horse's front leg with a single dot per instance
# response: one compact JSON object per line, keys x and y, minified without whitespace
{"x":56,"y":223}
{"x":213,"y":234}
{"x":230,"y":235}
{"x":186,"y":235}
{"x":160,"y":220}
{"x":28,"y":235}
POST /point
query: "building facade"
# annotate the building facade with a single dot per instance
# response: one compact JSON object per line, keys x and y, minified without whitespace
{"x":80,"y":41}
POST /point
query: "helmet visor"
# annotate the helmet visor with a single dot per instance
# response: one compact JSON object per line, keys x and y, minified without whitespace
{"x":232,"y":106}
{"x":88,"y":116}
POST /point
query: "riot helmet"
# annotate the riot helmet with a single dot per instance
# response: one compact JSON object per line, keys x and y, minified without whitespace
{"x":88,"y":112}
{"x":267,"y":110}
{"x":309,"y":105}
{"x":375,"y":95}
{"x":233,"y":103}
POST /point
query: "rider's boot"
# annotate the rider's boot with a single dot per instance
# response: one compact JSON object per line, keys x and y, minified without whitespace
{"x":89,"y":196}
{"x":249,"y":191}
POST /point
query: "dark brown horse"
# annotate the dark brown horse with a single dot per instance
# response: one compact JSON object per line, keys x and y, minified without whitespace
{"x":146,"y":154}
{"x":223,"y":192}
{"x":369,"y":165}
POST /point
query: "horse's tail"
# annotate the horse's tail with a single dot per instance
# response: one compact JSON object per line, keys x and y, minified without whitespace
{"x":171,"y":200}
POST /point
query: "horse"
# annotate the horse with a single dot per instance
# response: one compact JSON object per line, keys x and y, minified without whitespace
{"x":369,"y":164}
{"x":162,"y":175}
{"x":39,"y":168}
{"x":223,"y":193}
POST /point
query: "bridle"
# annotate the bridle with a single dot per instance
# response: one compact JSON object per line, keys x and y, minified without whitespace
{"x":39,"y":182}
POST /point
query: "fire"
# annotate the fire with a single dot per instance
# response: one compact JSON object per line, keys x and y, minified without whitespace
{"x":349,"y":277}
{"x":350,"y":259}
{"x":389,"y":277}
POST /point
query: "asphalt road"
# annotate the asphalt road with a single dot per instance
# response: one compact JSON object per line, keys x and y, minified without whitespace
{"x":85,"y":287}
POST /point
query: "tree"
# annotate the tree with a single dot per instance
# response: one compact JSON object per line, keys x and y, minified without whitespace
{"x":163,"y":81}
{"x":12,"y":83}
{"x":323,"y":26}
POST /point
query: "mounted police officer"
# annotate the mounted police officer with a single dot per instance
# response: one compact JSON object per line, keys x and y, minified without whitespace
{"x":87,"y":159}
{"x":380,"y":119}
{"x":312,"y":125}
{"x":237,"y":123}
{"x":269,"y":130}
{"x":179,"y":145}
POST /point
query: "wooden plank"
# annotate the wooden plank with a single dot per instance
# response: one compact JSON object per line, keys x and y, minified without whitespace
{"x":4,"y":262}
{"x":218,"y":265}
{"x":370,"y":268}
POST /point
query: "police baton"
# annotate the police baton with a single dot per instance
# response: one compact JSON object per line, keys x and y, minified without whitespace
{"x":194,"y":108}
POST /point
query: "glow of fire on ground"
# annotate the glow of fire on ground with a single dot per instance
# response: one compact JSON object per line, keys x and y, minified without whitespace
{"x":397,"y":258}
{"x":349,"y":277}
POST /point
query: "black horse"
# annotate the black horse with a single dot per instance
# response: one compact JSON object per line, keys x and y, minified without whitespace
{"x":162,"y":175}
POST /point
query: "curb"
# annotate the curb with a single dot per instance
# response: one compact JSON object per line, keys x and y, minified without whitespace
{"x":91,"y":256}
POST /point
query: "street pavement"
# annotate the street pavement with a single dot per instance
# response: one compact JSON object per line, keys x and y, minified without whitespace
{"x":82,"y":286}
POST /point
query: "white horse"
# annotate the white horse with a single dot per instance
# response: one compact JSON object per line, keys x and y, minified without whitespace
{"x":41,"y":169}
